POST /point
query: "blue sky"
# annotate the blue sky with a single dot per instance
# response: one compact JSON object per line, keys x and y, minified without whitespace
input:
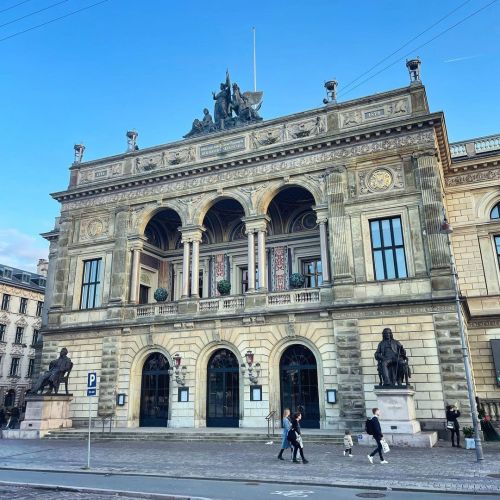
{"x":152,"y":65}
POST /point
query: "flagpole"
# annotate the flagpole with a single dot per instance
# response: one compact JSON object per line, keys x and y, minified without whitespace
{"x":254,"y":63}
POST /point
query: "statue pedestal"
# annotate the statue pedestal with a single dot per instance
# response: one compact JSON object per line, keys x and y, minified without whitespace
{"x":398,"y":420}
{"x":45,"y":413}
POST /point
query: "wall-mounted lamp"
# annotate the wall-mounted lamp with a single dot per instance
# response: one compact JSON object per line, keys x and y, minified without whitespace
{"x":178,"y":370}
{"x":253,"y":369}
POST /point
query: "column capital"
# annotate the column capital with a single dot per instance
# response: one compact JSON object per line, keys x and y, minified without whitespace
{"x":192,"y":233}
{"x":256,"y":223}
{"x":137,"y":242}
{"x":425,"y":152}
{"x":321,"y":212}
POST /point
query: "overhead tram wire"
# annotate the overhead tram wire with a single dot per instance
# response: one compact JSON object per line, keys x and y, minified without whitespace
{"x":13,"y":6}
{"x":53,"y":20}
{"x":419,"y":47}
{"x":405,"y":45}
{"x":33,"y":13}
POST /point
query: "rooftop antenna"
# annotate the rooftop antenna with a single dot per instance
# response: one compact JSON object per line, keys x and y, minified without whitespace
{"x":254,"y":63}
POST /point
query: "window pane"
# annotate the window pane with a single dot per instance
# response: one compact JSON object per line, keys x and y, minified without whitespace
{"x":97,"y":270}
{"x":375,"y":229}
{"x":320,"y":268}
{"x":389,"y":264}
{"x":397,"y":232}
{"x":86,"y":272}
{"x":379,"y":265}
{"x":401,"y":261}
{"x":495,"y":213}
{"x":97,"y":297}
{"x":386,"y":232}
{"x":85,"y":292}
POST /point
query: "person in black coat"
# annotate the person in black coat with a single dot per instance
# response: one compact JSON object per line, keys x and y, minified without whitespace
{"x":377,"y":435}
{"x":295,"y":438}
{"x":452,"y":415}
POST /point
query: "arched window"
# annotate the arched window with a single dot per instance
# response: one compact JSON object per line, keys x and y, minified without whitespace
{"x":495,"y":211}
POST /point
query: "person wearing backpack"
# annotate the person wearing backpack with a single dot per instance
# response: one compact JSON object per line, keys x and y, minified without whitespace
{"x":373,"y":428}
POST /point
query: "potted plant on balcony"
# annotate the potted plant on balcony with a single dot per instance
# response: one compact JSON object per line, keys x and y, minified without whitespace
{"x":297,"y":280}
{"x":161,"y":294}
{"x":224,"y":287}
{"x":469,"y":440}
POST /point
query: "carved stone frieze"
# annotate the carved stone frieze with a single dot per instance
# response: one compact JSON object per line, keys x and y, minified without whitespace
{"x":252,"y":173}
{"x":4,"y":319}
{"x":16,"y":350}
{"x":394,"y":311}
{"x":22,"y":322}
{"x":94,"y":228}
{"x":380,"y":180}
{"x":100,"y":173}
{"x":376,"y":112}
{"x":473,"y":177}
{"x":20,"y":293}
{"x":267,"y":137}
{"x":306,"y":128}
{"x":184,"y":155}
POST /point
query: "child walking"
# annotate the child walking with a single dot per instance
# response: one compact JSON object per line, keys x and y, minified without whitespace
{"x":348,"y":443}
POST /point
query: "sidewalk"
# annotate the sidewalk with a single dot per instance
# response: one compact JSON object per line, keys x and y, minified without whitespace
{"x":439,"y":469}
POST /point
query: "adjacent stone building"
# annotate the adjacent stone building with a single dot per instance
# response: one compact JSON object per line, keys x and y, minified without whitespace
{"x":326,"y":224}
{"x":22,"y":298}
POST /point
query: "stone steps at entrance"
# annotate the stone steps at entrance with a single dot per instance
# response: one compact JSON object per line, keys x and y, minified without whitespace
{"x":224,"y":436}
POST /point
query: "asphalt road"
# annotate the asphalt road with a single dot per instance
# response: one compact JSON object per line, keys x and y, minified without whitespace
{"x":201,"y":488}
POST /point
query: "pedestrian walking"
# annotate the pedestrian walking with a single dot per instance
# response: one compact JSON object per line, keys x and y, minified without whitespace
{"x":374,"y":429}
{"x":348,"y":443}
{"x":287,"y":425}
{"x":452,"y":424}
{"x":295,"y":438}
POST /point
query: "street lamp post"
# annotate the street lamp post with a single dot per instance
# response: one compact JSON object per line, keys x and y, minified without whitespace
{"x":447,"y":229}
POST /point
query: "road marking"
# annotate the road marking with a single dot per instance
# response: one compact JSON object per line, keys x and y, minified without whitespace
{"x":293,"y":493}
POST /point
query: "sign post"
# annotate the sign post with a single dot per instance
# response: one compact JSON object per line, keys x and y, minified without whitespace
{"x":91,"y":391}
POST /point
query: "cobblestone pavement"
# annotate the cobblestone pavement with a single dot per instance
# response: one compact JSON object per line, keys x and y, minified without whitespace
{"x":440,"y":469}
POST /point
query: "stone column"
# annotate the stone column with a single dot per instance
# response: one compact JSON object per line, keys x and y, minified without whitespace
{"x":195,"y":269}
{"x":261,"y":256}
{"x":119,"y":271}
{"x":251,"y":261}
{"x":432,"y":200}
{"x":185,"y":270}
{"x":323,"y":240}
{"x":134,"y":275}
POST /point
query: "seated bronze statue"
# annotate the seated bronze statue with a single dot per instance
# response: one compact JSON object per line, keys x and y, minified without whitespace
{"x":59,"y":370}
{"x":393,"y":368}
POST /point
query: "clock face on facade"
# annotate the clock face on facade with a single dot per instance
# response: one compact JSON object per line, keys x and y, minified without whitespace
{"x":380,"y":180}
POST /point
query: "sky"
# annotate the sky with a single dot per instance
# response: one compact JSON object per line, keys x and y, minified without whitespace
{"x":151,"y":65}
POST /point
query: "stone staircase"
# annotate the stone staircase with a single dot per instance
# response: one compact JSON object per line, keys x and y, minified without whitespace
{"x":193,"y":435}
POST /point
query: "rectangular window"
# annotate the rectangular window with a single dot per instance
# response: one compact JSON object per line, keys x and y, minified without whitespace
{"x":35,"y":338}
{"x":31,"y":366}
{"x":2,"y":332}
{"x":39,"y":307}
{"x":388,"y":251}
{"x":497,"y":247}
{"x":143,"y":294}
{"x":313,"y":272}
{"x":23,"y":305}
{"x":91,"y":284}
{"x":14,"y":367}
{"x":244,"y":279}
{"x":19,"y":335}
{"x":5,"y":302}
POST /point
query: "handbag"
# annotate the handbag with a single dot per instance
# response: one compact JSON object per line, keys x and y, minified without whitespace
{"x":385,"y":446}
{"x":299,"y":440}
{"x":450,"y":425}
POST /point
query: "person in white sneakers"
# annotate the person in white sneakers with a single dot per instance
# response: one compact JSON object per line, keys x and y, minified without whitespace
{"x":373,"y":428}
{"x":348,"y":443}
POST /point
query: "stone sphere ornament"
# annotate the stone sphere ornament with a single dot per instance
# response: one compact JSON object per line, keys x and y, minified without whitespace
{"x":224,"y":287}
{"x":161,"y":294}
{"x":297,"y":280}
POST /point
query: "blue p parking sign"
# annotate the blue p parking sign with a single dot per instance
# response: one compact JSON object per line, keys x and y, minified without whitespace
{"x":91,"y":384}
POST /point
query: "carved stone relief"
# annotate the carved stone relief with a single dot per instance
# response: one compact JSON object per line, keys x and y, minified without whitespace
{"x":94,"y":228}
{"x":251,"y":173}
{"x":376,"y":112}
{"x":100,"y":173}
{"x":380,"y":179}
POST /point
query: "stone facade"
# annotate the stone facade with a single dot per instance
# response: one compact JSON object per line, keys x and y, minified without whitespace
{"x":254,"y":205}
{"x":472,"y":192}
{"x":21,"y":303}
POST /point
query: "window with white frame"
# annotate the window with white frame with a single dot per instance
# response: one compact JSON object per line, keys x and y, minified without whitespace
{"x":5,"y":302}
{"x":14,"y":367}
{"x":23,"y":305}
{"x":388,"y":250}
{"x":91,"y":284}
{"x":19,"y":335}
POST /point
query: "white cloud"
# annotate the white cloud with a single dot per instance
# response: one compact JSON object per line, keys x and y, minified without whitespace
{"x":21,"y":250}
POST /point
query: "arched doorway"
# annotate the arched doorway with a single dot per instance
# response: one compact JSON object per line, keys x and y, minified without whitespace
{"x":299,"y":384}
{"x":223,"y":390}
{"x":155,"y":390}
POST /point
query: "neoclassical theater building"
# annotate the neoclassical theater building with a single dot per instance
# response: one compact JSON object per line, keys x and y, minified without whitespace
{"x":327,"y":226}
